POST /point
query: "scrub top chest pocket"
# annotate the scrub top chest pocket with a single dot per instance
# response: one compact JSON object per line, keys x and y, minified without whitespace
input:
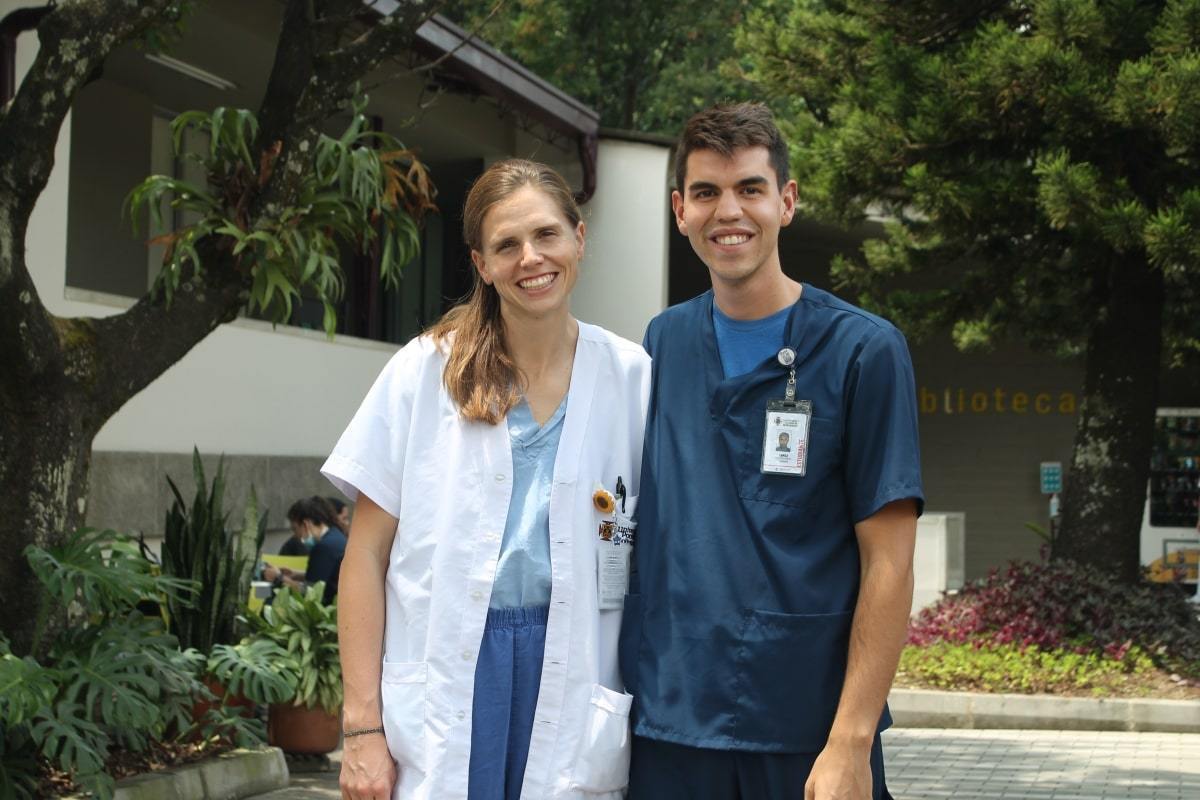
{"x":822,"y":465}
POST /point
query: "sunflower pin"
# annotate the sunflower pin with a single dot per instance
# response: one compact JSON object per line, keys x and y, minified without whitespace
{"x":603,"y":500}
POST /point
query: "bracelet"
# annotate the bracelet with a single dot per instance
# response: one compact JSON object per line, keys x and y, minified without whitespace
{"x":361,"y":732}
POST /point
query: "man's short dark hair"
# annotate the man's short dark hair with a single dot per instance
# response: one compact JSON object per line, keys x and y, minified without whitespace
{"x":725,"y":129}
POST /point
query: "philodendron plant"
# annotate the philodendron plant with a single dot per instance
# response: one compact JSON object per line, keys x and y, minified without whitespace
{"x":305,"y":629}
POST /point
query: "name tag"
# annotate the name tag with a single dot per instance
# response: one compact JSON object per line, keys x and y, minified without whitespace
{"x":613,"y":550}
{"x":785,"y":437}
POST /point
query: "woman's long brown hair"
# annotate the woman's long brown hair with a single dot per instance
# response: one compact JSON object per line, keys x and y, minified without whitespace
{"x":480,"y":375}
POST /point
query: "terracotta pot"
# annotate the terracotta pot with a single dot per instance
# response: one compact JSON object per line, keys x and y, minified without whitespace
{"x":296,"y":729}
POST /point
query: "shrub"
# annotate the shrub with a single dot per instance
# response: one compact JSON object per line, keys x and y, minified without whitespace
{"x":111,"y":676}
{"x":1061,"y":605}
{"x":301,"y":625}
{"x":1012,"y":668}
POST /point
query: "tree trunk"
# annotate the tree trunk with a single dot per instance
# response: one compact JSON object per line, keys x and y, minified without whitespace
{"x":44,"y":464}
{"x":1105,"y":490}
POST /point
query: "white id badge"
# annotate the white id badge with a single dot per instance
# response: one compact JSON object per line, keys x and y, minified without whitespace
{"x":612,"y":560}
{"x":785,"y":437}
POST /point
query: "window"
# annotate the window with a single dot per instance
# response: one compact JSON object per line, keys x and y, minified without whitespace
{"x":1175,"y":469}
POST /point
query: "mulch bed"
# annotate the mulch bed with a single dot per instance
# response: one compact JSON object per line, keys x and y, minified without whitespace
{"x":122,"y":764}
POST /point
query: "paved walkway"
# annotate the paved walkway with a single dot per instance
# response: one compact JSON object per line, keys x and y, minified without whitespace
{"x":994,"y":765}
{"x":1063,"y":765}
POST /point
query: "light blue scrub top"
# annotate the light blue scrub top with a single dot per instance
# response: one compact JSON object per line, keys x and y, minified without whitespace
{"x":523,"y":572}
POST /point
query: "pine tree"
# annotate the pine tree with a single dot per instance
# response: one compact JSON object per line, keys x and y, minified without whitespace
{"x":1040,"y":163}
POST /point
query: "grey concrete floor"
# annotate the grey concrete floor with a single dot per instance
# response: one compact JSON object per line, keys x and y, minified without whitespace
{"x":993,"y":765}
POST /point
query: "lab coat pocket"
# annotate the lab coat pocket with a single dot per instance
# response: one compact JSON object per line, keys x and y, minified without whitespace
{"x":602,"y":762}
{"x":403,"y":693}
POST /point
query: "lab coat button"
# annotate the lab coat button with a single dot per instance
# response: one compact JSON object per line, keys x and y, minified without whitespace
{"x":461,"y":715}
{"x":476,"y":595}
{"x":467,"y":655}
{"x":501,"y":477}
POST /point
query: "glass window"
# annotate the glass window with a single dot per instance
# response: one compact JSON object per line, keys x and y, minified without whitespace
{"x":1175,"y":469}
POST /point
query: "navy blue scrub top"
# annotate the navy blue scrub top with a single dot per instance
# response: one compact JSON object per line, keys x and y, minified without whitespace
{"x":737,"y":625}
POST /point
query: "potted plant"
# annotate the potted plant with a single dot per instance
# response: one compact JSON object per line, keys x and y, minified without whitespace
{"x":200,"y":545}
{"x":305,"y":629}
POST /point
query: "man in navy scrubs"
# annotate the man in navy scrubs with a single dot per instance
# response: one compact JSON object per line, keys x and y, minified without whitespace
{"x":772,"y":587}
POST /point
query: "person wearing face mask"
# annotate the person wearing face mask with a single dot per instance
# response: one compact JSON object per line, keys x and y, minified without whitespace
{"x":300,"y":543}
{"x":313,"y":518}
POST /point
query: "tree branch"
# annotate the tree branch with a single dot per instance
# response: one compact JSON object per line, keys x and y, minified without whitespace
{"x":28,"y":348}
{"x":75,"y":39}
{"x":159,"y":333}
{"x":390,"y":36}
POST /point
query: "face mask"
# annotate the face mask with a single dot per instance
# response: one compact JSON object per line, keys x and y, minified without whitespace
{"x":309,"y":541}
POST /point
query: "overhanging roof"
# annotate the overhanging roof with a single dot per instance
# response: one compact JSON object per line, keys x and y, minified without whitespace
{"x":499,"y":76}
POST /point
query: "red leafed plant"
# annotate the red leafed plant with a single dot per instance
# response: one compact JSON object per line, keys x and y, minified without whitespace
{"x":1061,"y":605}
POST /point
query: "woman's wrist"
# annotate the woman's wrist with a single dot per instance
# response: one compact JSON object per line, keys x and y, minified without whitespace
{"x":357,"y":718}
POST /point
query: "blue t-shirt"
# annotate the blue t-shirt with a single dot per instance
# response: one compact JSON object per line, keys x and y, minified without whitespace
{"x":523,"y":572}
{"x":746,"y":343}
{"x":325,"y":561}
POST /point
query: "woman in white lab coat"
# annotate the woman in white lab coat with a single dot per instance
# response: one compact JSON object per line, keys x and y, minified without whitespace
{"x":479,"y":645}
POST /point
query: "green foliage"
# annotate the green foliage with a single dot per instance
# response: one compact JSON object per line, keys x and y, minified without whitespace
{"x":1027,"y":151}
{"x":254,"y":668}
{"x":306,"y":629}
{"x":644,"y":66}
{"x":18,"y":768}
{"x":223,"y":722}
{"x":111,"y":676}
{"x":100,"y":572}
{"x":362,"y":190}
{"x":199,"y":546}
{"x":989,"y":667}
{"x":67,"y":737}
{"x":25,"y":688}
{"x":167,"y":28}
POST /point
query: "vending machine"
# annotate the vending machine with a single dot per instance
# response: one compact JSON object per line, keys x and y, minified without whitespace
{"x":1170,"y":535}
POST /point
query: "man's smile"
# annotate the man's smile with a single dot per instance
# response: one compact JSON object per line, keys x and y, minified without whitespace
{"x":730,"y":238}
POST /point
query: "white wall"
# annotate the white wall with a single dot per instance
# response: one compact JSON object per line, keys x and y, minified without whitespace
{"x":623,"y":278}
{"x":247,"y":389}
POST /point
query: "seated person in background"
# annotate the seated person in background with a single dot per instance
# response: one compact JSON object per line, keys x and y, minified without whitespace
{"x":342,"y":511}
{"x":314,"y":516}
{"x":300,"y":543}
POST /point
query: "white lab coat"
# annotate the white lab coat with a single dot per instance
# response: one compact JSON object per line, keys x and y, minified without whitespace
{"x":449,"y":482}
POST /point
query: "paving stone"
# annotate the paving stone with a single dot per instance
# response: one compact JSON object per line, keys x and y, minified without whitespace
{"x":1042,"y":765}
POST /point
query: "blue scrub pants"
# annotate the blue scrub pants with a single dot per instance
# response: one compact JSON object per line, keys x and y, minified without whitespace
{"x":507,"y":677}
{"x":667,"y":771}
